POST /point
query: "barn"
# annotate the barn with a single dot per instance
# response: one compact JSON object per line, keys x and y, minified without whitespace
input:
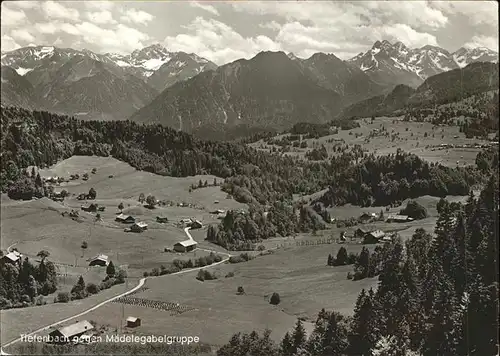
{"x":139,"y":227}
{"x":99,"y":260}
{"x":398,"y":218}
{"x":126,"y":219}
{"x":133,"y":322}
{"x":365,"y":217}
{"x":373,"y":237}
{"x":195,"y":224}
{"x":360,"y":233}
{"x":12,"y":257}
{"x":185,"y":246}
{"x":68,"y":333}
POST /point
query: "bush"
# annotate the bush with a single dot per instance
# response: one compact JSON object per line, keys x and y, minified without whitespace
{"x":414,"y":210}
{"x":349,"y":275}
{"x":240,"y":290}
{"x":146,"y":274}
{"x":62,"y":297}
{"x":358,"y":275}
{"x":204,"y":275}
{"x":275,"y":299}
{"x":5,"y":303}
{"x":92,"y":288}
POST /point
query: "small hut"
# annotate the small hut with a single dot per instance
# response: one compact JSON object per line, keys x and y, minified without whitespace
{"x":133,"y":322}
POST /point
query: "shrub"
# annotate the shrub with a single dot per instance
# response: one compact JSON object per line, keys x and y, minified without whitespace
{"x":204,"y":275}
{"x":63,"y":297}
{"x":5,"y":303}
{"x":201,"y":275}
{"x":261,"y":248}
{"x":358,"y":275}
{"x":275,"y":299}
{"x":146,"y":274}
{"x":414,"y":210}
{"x":92,"y":288}
{"x":349,"y":275}
{"x":240,"y":290}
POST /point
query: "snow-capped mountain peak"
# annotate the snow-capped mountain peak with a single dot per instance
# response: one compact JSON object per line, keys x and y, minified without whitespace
{"x":397,"y":64}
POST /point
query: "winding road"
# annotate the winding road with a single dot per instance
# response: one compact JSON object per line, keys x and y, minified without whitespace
{"x":141,"y":283}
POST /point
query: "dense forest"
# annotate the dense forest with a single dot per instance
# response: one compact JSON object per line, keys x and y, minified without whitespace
{"x":436,"y":296}
{"x":41,"y":139}
{"x":22,"y":282}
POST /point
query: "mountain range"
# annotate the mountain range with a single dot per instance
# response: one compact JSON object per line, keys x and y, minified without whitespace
{"x":394,"y":64}
{"x":91,"y":85}
{"x":272,"y":90}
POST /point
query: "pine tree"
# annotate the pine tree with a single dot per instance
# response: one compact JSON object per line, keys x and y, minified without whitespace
{"x":335,"y":336}
{"x":365,"y":327}
{"x":110,"y":269}
{"x":38,"y":180}
{"x":329,"y":261}
{"x":79,"y":286}
{"x":286,"y":345}
{"x":342,"y":257}
{"x":298,"y":337}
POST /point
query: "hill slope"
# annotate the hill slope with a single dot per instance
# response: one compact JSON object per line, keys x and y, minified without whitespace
{"x":16,"y":90}
{"x":269,"y":90}
{"x":442,"y":88}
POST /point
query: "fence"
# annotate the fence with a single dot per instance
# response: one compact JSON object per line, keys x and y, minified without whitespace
{"x":173,"y":308}
{"x":308,"y":243}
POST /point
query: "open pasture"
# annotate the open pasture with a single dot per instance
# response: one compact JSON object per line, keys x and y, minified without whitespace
{"x":127,"y":183}
{"x":412,"y":137}
{"x":300,"y":276}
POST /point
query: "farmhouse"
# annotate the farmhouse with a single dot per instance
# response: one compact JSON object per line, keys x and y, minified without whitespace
{"x":185,"y":246}
{"x":218,"y":211}
{"x":99,"y":260}
{"x":12,"y":257}
{"x":126,"y":219}
{"x":133,"y":322}
{"x":359,"y":233}
{"x":365,"y":217}
{"x":139,"y":227}
{"x":90,"y":208}
{"x":195,"y":224}
{"x":398,"y":218}
{"x":185,"y":221}
{"x":66,"y":334}
{"x":373,"y":237}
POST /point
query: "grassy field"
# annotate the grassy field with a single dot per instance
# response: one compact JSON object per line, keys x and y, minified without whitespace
{"x":298,"y":273}
{"x":411,"y":138}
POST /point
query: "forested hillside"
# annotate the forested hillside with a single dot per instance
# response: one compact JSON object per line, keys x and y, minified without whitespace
{"x":435,"y":295}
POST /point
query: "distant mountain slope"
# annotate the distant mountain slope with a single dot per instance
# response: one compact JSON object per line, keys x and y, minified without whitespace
{"x":92,"y":89}
{"x":394,"y":64}
{"x":180,"y":67}
{"x":16,"y":90}
{"x":457,"y":84}
{"x":269,"y":90}
{"x":442,"y":88}
{"x":346,"y":79}
{"x":381,"y":104}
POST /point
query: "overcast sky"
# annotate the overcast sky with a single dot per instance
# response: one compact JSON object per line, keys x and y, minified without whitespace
{"x":225,"y":31}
